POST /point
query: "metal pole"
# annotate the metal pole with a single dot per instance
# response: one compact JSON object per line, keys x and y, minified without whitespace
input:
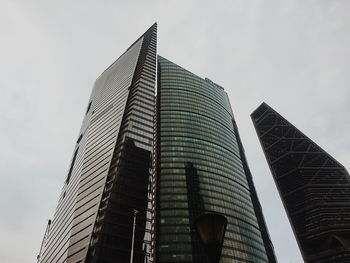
{"x":133,"y":237}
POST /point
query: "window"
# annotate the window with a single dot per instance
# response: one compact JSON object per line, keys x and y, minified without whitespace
{"x":80,"y":137}
{"x":72,"y":165}
{"x":88,"y":108}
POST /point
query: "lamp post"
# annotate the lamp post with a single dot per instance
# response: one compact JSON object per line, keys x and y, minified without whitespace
{"x":211,"y":228}
{"x":133,"y":237}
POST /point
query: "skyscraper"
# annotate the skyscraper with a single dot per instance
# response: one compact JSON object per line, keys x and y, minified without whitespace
{"x":313,"y":186}
{"x":201,"y":168}
{"x":172,"y":157}
{"x":110,"y":170}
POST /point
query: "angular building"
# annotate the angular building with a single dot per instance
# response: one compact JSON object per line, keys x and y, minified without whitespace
{"x":314,"y":188}
{"x":172,"y":157}
{"x":110,"y":170}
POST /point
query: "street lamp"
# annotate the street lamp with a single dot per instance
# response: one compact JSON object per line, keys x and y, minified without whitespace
{"x":133,"y":237}
{"x":211,"y":228}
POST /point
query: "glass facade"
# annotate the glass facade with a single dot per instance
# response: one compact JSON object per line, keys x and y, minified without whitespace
{"x":314,"y":187}
{"x":110,"y":170}
{"x":199,"y":170}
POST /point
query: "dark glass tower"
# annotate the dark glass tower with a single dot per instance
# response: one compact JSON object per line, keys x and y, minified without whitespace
{"x":201,"y":168}
{"x":314,"y":188}
{"x":110,"y":171}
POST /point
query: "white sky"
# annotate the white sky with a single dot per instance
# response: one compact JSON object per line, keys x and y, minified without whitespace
{"x":292,"y":54}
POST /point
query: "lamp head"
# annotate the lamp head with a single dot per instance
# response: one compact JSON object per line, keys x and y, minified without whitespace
{"x":211,"y":228}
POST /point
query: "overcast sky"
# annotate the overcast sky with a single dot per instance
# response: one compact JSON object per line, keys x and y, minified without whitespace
{"x":294,"y":55}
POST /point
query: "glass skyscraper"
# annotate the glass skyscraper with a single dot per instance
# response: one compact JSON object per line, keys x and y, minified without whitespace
{"x":199,"y":170}
{"x":314,"y":188}
{"x":109,"y":175}
{"x":172,"y":156}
